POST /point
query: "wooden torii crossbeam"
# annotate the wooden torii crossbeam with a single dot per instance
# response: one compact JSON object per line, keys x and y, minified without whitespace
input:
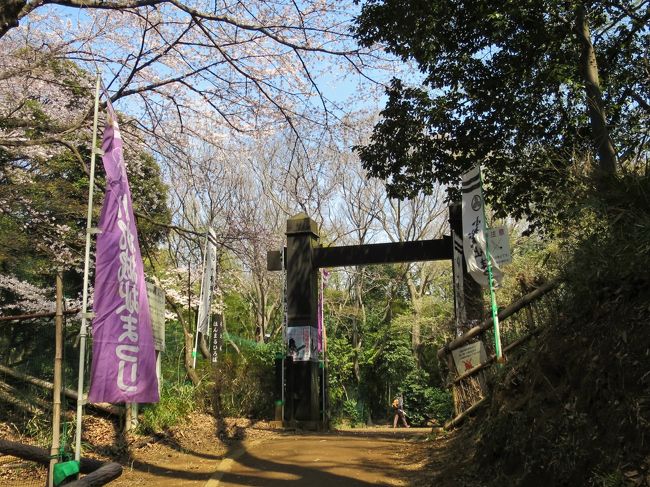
{"x":368,"y":254}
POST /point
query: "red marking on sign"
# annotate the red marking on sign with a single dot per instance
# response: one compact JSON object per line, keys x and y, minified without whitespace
{"x":468,"y":364}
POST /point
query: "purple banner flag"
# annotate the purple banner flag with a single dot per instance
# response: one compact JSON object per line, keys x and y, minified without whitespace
{"x":124,"y":360}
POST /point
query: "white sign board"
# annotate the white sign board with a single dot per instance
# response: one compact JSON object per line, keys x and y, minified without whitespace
{"x":499,"y":245}
{"x":302,"y":343}
{"x":469,"y":356}
{"x":157,"y":309}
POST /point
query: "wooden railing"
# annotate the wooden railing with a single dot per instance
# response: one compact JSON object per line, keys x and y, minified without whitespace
{"x":469,"y":388}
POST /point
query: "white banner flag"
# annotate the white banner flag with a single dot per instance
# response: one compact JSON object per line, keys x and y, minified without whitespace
{"x":474,"y":230}
{"x":207,"y":283}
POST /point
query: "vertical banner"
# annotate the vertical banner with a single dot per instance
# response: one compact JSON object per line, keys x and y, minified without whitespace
{"x":124,"y":359}
{"x":480,"y":263}
{"x":474,"y":230}
{"x":207,"y":283}
{"x":285,"y":303}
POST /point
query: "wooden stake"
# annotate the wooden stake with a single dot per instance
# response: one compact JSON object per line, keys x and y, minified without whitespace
{"x":58,"y":361}
{"x":458,"y":419}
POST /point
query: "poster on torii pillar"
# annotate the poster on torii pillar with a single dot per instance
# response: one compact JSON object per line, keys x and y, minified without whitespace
{"x":469,"y":356}
{"x":474,"y":230}
{"x":302,"y":343}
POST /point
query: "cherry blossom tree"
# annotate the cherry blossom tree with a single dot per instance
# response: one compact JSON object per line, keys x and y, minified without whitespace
{"x":195,"y":67}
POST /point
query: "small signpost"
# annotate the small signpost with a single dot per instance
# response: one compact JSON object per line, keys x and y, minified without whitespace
{"x":469,"y":356}
{"x":157,"y":310}
{"x":499,"y":244}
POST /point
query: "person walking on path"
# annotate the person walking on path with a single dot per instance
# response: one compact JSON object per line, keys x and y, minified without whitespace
{"x":398,"y":408}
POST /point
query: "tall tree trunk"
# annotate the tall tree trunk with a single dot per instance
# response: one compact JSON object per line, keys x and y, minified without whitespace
{"x":203,"y":346}
{"x":416,"y":332}
{"x":595,"y":106}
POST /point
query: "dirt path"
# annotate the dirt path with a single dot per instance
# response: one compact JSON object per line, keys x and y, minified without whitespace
{"x":377,"y":456}
{"x":251,"y":453}
{"x":348,"y":458}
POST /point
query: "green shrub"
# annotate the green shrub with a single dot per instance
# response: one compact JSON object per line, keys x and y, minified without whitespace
{"x":423,"y":402}
{"x":353,"y":413}
{"x":176,"y":402}
{"x":246,"y":382}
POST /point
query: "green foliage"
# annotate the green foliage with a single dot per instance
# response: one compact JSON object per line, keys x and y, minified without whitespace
{"x":246,"y":381}
{"x":43,"y":213}
{"x":610,"y":245}
{"x":44,"y":189}
{"x":238,"y":313}
{"x":575,"y":399}
{"x":176,"y":402}
{"x":363,"y":380}
{"x":395,"y":360}
{"x":423,"y":402}
{"x":39,"y":428}
{"x":340,"y":372}
{"x":353,"y":412}
{"x":611,"y":479}
{"x":433,"y":317}
{"x":43,"y":218}
{"x":149,"y":195}
{"x":502,"y":87}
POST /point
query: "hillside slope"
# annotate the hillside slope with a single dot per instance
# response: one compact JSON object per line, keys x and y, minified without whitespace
{"x":575,"y":409}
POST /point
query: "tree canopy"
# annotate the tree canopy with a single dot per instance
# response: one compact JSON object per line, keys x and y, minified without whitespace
{"x":533,"y":90}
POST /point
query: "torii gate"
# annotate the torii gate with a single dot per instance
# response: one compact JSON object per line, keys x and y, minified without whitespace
{"x":304,"y":256}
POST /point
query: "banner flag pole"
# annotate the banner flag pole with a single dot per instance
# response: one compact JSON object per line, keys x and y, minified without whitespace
{"x":479,"y":260}
{"x":85,"y":316}
{"x":493,"y":299}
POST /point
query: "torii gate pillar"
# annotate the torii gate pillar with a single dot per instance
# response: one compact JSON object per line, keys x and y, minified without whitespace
{"x":302,"y":310}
